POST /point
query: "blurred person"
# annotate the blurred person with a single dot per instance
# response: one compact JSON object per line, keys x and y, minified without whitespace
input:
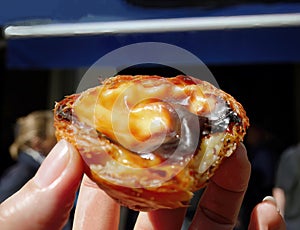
{"x":51,"y":193}
{"x":263,"y":161}
{"x":34,"y":138}
{"x":287,"y":186}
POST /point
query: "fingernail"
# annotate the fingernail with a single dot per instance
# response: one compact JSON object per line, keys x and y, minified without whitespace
{"x":54,"y":165}
{"x":272,"y":200}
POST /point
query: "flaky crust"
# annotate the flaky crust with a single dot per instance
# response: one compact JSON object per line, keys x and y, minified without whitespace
{"x":155,"y":179}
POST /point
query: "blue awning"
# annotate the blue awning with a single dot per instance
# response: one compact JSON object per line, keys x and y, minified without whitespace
{"x":212,"y":47}
{"x":269,"y":43}
{"x":57,"y":11}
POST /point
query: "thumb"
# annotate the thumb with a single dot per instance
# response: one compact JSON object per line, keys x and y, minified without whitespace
{"x":45,"y":201}
{"x":265,"y":215}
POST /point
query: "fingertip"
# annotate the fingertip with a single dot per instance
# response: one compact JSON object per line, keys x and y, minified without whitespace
{"x":161,"y":219}
{"x":271,"y":200}
{"x":265,"y":215}
{"x":45,"y":201}
{"x":92,"y":203}
{"x":241,"y":147}
{"x":62,"y":165}
{"x":234,"y":172}
{"x":220,"y":204}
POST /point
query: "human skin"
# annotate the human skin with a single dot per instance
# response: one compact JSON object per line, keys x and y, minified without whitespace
{"x":46,"y":200}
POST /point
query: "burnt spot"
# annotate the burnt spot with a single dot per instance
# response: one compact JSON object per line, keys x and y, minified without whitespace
{"x":63,"y":109}
{"x":222,"y":123}
{"x":64,"y":114}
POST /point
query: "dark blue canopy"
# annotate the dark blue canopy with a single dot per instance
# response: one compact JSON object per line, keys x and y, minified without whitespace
{"x":15,"y":11}
{"x":215,"y":46}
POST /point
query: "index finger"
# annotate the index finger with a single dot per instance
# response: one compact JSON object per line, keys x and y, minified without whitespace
{"x":220,"y":204}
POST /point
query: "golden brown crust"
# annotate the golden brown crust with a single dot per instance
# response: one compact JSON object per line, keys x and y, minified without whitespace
{"x":151,"y":180}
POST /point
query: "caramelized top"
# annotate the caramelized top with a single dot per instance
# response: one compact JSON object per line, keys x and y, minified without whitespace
{"x":152,"y":114}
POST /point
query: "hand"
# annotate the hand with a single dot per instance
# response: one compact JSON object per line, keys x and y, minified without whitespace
{"x":46,"y":200}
